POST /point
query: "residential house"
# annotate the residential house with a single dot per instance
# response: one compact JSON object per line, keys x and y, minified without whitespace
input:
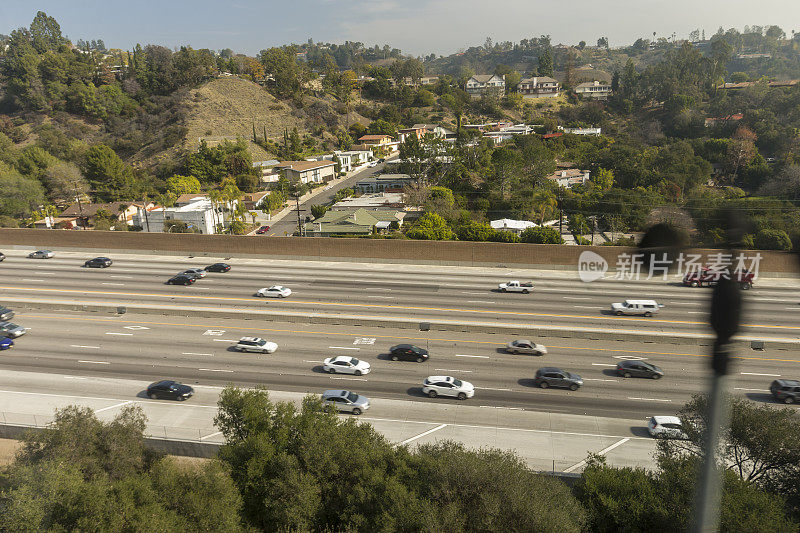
{"x":514,"y":226}
{"x":267,"y":172}
{"x":385,"y":183}
{"x":308,"y":171}
{"x":507,"y":132}
{"x":770,"y":84}
{"x":57,"y":223}
{"x":568,"y":178}
{"x":593,"y":89}
{"x":594,"y":132}
{"x":556,"y":135}
{"x":186,"y":199}
{"x":428,"y":80}
{"x":480,"y":83}
{"x":356,"y":157}
{"x":417,"y":130}
{"x":381,"y":200}
{"x":359,"y":221}
{"x":86,"y":213}
{"x":253,"y":200}
{"x":539,"y":87}
{"x":375,"y":140}
{"x":199,"y":215}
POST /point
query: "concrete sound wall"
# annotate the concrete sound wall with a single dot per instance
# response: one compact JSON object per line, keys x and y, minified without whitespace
{"x":360,"y":250}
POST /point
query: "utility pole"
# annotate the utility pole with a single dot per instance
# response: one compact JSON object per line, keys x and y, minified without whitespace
{"x":299,"y":225}
{"x":560,"y":213}
{"x":80,"y":206}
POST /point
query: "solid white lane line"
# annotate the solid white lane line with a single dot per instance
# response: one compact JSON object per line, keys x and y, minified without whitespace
{"x":211,"y":435}
{"x":115,"y":333}
{"x":112,"y":406}
{"x":195,"y":353}
{"x":601,"y":452}
{"x":453,"y":370}
{"x":423,"y":434}
{"x":342,"y":348}
{"x":82,"y":346}
{"x":603,"y":364}
{"x":215,"y":370}
{"x":95,"y":362}
{"x":478,"y":356}
{"x":757,"y":374}
{"x":648,"y":399}
{"x":751,"y":390}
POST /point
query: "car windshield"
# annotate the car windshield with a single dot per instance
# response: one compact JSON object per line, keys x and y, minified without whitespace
{"x":354,"y":361}
{"x":457,"y":382}
{"x":352,"y":396}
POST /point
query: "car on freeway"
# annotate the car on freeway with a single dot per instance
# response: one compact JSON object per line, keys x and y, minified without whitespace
{"x":181,"y":279}
{"x":381,"y":160}
{"x":785,"y":390}
{"x":435,"y":386}
{"x":344,"y":364}
{"x":2,"y":256}
{"x":196,"y":272}
{"x":276,"y":291}
{"x":556,"y":377}
{"x":218,"y":267}
{"x":9,"y":329}
{"x":525,"y":346}
{"x":6,"y":343}
{"x":408,"y":352}
{"x":345,"y":400}
{"x":262,"y":230}
{"x":639,"y":369}
{"x":666,"y":427}
{"x":635,"y":307}
{"x":41,"y":254}
{"x":516,"y":286}
{"x":6,"y":314}
{"x":373,"y":164}
{"x":98,"y":262}
{"x":708,"y":277}
{"x":169,"y":390}
{"x":255,"y":344}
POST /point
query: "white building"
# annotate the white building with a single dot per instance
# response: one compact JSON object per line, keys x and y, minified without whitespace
{"x":198,"y":215}
{"x":582,"y":131}
{"x":569,"y":177}
{"x":594,"y":89}
{"x":515,"y":226}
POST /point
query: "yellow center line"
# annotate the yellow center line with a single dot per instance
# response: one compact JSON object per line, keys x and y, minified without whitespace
{"x":400,"y":337}
{"x":375,"y":306}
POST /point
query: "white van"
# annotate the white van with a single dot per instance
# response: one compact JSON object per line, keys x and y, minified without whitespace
{"x":635,"y":307}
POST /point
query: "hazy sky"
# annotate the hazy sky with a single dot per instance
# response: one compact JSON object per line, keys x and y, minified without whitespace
{"x":415,"y":26}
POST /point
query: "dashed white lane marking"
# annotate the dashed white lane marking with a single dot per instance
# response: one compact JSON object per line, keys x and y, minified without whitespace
{"x":312,"y":361}
{"x":112,"y":283}
{"x":598,"y":379}
{"x":479,"y":302}
{"x":112,"y":406}
{"x":751,"y":390}
{"x":423,"y":434}
{"x":586,"y":306}
{"x":381,"y":297}
{"x":211,"y":435}
{"x":491,"y":388}
{"x":195,"y":353}
{"x":648,"y":399}
{"x":223,"y":340}
{"x":757,"y":374}
{"x":116,"y":276}
{"x":453,"y":370}
{"x":82,"y":346}
{"x":478,"y":356}
{"x":95,"y":362}
{"x":603,"y":364}
{"x":117,"y":333}
{"x":601,"y":452}
{"x":215,"y":370}
{"x":473,"y":292}
{"x":37,"y":280}
{"x":696,"y":312}
{"x":342,"y":348}
{"x":351,"y":379}
{"x":577,"y":297}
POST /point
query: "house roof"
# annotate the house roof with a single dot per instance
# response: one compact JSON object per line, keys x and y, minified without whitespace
{"x":568,"y":173}
{"x":90,"y":210}
{"x":188,"y":198}
{"x":552,"y":135}
{"x":592,"y":84}
{"x":374,"y":137}
{"x":507,"y":223}
{"x":483,"y":78}
{"x":304,"y":166}
{"x":352,"y":221}
{"x":254,"y":197}
{"x":539,"y":79}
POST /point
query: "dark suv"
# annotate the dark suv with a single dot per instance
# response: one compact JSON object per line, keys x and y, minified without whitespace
{"x":6,"y":314}
{"x":785,"y":390}
{"x":555,"y":377}
{"x":408,"y":352}
{"x":639,"y":369}
{"x":181,"y":279}
{"x":98,"y":262}
{"x":169,"y":390}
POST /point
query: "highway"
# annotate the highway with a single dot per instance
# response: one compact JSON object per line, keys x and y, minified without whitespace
{"x":462,"y":295}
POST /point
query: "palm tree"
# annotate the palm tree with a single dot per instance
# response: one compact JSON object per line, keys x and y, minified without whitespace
{"x":544,"y":201}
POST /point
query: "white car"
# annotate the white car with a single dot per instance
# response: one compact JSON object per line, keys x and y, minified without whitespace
{"x":435,"y":386}
{"x":666,"y":427}
{"x":196,"y":272}
{"x":636,"y":307}
{"x":41,"y":254}
{"x":525,"y":346}
{"x":343,"y":364}
{"x":256,"y":344}
{"x":276,"y":291}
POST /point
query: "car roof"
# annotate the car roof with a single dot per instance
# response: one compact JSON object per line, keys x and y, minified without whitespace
{"x":336,"y":392}
{"x":166,"y":382}
{"x":523,"y":340}
{"x":439,"y":378}
{"x":278,"y":287}
{"x":788,"y":382}
{"x":551,"y":369}
{"x":251,"y":339}
{"x":665,"y":419}
{"x":649,"y":302}
{"x":341,"y":358}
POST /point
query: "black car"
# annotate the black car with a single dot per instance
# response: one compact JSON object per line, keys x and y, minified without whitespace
{"x":6,"y":314}
{"x":639,"y":369}
{"x":2,"y":256}
{"x":218,"y":267}
{"x":408,"y":352}
{"x":181,"y":279}
{"x":98,"y":262}
{"x":169,"y":390}
{"x":785,"y":390}
{"x":555,"y":377}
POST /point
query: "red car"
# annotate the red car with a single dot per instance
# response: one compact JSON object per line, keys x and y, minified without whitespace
{"x":706,"y":277}
{"x":262,"y":230}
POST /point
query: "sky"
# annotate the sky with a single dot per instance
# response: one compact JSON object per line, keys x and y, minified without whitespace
{"x":417,"y":27}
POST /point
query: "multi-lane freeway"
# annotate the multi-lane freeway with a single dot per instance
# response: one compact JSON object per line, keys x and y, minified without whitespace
{"x":459,"y":295}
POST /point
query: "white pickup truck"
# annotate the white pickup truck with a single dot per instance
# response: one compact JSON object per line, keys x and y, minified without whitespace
{"x":516,"y":286}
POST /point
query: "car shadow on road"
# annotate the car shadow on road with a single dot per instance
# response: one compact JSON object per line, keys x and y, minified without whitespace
{"x":527,"y":382}
{"x":761,"y":397}
{"x":639,"y":431}
{"x":319,"y":369}
{"x":416,"y":392}
{"x":608,"y":312}
{"x":383,"y":357}
{"x":142,"y":394}
{"x":611,"y":373}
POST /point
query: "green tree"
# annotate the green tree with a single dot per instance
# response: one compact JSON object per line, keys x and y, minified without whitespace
{"x":318,"y":210}
{"x":772,"y":239}
{"x":541,"y":235}
{"x":603,"y":178}
{"x":545,"y":67}
{"x":431,"y":227}
{"x":475,"y":231}
{"x":109,"y":177}
{"x":19,"y":195}
{"x":179,"y":185}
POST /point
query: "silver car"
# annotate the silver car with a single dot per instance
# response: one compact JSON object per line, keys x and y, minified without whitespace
{"x":345,"y":400}
{"x":525,"y":346}
{"x":41,"y":254}
{"x":9,"y":329}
